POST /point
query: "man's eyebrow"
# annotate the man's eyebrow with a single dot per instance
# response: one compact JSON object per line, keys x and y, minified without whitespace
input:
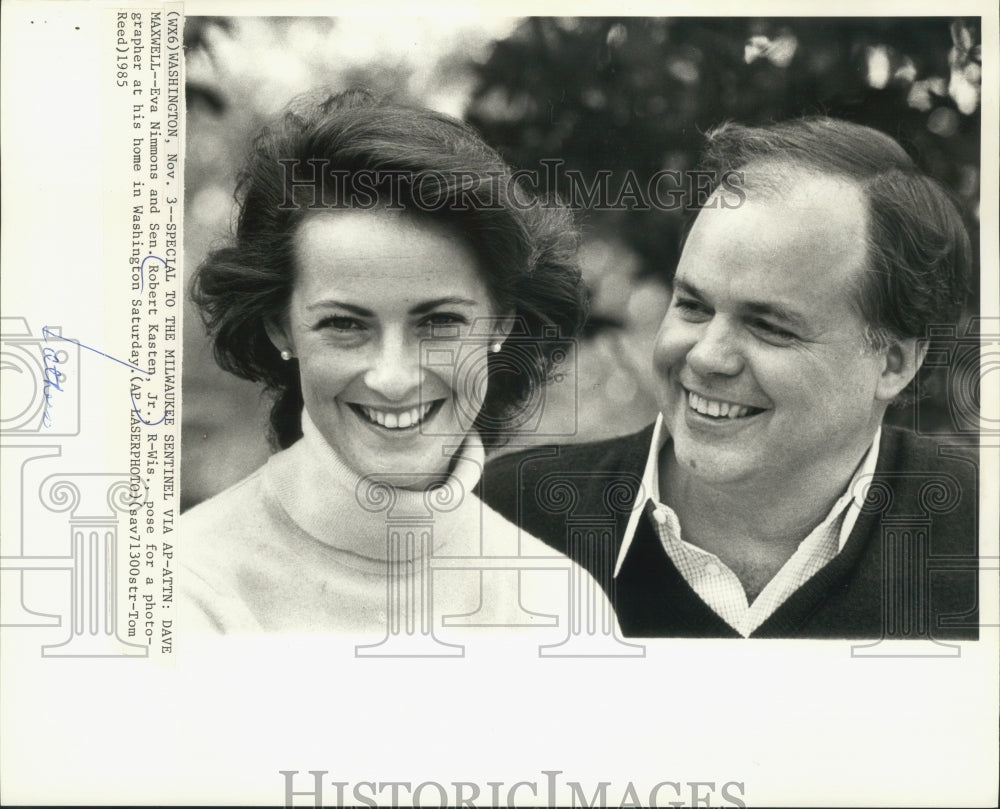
{"x":776,"y":310}
{"x":687,"y":288}
{"x":757,"y":308}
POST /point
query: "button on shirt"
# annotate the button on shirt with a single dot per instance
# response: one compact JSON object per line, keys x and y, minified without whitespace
{"x":711,"y":579}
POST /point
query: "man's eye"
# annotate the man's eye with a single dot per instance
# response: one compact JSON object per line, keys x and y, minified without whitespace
{"x":775,"y":332}
{"x":689,"y":305}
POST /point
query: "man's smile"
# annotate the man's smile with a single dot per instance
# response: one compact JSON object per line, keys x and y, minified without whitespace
{"x":721,"y":409}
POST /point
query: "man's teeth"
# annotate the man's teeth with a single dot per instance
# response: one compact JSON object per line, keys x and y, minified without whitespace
{"x":716,"y":409}
{"x":397,"y":421}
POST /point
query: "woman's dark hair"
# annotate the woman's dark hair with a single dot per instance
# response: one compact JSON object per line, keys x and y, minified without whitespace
{"x":354,"y":150}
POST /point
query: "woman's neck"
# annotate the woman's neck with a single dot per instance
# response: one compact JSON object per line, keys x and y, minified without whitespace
{"x":360,"y":514}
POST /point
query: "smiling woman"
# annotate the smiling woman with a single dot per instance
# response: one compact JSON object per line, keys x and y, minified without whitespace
{"x":372,"y":286}
{"x":382,"y":258}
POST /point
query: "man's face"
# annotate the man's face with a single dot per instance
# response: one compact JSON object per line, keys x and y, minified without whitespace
{"x":762,"y":368}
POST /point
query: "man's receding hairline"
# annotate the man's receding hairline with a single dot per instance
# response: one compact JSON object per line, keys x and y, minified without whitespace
{"x":774,"y":178}
{"x":771,"y":170}
{"x":775,"y":175}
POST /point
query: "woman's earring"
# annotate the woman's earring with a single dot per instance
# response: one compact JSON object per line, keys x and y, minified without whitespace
{"x":495,"y":348}
{"x":286,"y":355}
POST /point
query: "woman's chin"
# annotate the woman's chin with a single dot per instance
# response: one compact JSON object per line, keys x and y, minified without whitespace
{"x":406,"y":458}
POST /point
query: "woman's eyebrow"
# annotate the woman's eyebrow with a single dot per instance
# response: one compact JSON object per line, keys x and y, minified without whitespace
{"x":427,"y":306}
{"x":420,"y":309}
{"x":350,"y":307}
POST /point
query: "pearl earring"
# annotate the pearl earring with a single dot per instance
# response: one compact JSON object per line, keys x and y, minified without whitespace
{"x":286,"y":355}
{"x":495,"y":348}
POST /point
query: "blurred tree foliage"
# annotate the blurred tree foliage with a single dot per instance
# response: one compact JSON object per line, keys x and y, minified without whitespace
{"x":638,"y":93}
{"x":629,"y":95}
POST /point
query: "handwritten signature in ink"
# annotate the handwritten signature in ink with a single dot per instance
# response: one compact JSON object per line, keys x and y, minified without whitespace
{"x":55,"y":378}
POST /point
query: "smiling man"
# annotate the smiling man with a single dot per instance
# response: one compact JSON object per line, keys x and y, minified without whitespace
{"x":773,"y":502}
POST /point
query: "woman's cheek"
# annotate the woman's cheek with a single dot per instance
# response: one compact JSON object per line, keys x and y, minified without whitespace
{"x":323,"y":373}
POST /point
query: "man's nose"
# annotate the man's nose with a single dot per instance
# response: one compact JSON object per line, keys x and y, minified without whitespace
{"x":394,"y":372}
{"x":716,"y":350}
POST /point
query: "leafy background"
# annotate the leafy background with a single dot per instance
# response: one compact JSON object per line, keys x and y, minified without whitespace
{"x":619,"y":95}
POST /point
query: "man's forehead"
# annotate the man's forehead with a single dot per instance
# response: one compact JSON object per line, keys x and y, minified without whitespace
{"x":797,"y":233}
{"x":810,"y":186}
{"x":795,"y":202}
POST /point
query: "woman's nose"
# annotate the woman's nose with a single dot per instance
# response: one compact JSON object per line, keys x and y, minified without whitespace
{"x":716,"y":350}
{"x":394,"y":372}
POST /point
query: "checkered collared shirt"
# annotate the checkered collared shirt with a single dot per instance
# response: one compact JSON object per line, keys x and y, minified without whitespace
{"x":716,"y":583}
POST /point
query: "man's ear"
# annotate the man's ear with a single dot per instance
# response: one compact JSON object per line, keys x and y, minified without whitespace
{"x":902,"y":360}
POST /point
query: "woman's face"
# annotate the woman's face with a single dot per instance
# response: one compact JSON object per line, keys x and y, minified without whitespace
{"x":393,"y":399}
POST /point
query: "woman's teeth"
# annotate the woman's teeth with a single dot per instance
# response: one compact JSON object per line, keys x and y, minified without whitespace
{"x":397,"y":420}
{"x":718,"y":409}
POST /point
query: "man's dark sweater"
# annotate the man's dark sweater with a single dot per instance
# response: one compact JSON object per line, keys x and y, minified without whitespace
{"x":908,"y":569}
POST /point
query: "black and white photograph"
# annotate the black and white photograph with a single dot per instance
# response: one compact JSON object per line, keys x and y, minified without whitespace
{"x":476,"y":406}
{"x":770,"y":452}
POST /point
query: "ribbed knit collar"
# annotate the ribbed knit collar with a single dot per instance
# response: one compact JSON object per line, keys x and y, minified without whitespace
{"x":339,"y":507}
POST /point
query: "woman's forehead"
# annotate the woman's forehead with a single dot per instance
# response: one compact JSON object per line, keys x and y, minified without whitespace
{"x":383,"y":255}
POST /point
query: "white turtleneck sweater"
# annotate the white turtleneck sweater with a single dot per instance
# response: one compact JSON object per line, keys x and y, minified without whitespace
{"x":301,"y":545}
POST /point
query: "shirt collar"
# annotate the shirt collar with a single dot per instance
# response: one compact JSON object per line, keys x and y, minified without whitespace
{"x":648,"y":489}
{"x":857,"y":490}
{"x":854,"y":495}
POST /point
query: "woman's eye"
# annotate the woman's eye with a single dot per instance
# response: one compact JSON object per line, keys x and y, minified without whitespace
{"x":444,"y":319}
{"x":340,"y":323}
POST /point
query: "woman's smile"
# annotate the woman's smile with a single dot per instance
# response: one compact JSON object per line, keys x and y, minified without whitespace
{"x":399,"y":419}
